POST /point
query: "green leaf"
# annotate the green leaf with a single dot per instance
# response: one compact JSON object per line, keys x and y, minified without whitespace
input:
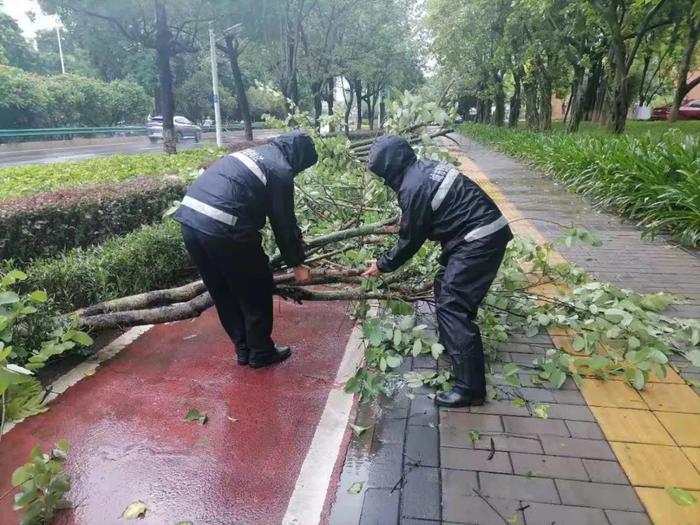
{"x":194,"y":415}
{"x":474,"y":435}
{"x":135,"y":511}
{"x":417,"y":347}
{"x":39,"y":296}
{"x":358,"y":430}
{"x":79,"y":337}
{"x":579,"y":343}
{"x":680,"y":496}
{"x":436,"y":349}
{"x":22,"y":474}
{"x":541,"y":411}
{"x":8,"y":298}
{"x":694,"y":357}
{"x":355,"y":488}
{"x":394,"y":360}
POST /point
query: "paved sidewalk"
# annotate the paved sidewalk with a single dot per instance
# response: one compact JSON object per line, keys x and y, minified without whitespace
{"x":602,"y":456}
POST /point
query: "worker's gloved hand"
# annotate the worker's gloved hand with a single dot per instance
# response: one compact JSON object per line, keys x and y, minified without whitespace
{"x":373,"y":270}
{"x":302,"y":273}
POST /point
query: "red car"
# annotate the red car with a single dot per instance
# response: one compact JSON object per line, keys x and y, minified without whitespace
{"x":690,"y":110}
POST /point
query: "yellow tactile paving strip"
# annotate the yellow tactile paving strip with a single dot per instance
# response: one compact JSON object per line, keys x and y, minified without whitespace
{"x":655,"y":433}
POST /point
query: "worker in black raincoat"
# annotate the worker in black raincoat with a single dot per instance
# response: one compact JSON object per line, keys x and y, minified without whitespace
{"x":221,"y":217}
{"x":440,"y":204}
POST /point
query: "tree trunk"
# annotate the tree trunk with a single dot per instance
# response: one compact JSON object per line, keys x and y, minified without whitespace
{"x":348,"y":105}
{"x":165,"y":77}
{"x":318,"y":102}
{"x":499,"y":115}
{"x":532,"y":116}
{"x":619,"y":100}
{"x":232,"y":53}
{"x":358,"y":98}
{"x":382,"y":111}
{"x":578,"y":90}
{"x":682,"y":85}
{"x":516,"y":99}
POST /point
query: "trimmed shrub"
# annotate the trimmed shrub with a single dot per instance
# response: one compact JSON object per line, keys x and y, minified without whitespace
{"x":48,"y":223}
{"x":150,"y":258}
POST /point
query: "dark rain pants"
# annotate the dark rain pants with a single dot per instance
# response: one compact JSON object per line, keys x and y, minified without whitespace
{"x":460,"y":286}
{"x":239,"y":280}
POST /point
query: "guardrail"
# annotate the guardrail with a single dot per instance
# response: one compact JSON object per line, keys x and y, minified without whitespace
{"x":20,"y":135}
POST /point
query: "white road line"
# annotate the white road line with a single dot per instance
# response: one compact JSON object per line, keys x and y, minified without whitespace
{"x":306,"y":504}
{"x":88,"y":366}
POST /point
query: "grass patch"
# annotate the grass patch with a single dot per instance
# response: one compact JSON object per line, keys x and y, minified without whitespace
{"x":653,"y":179}
{"x":634,"y":128}
{"x":34,"y":178}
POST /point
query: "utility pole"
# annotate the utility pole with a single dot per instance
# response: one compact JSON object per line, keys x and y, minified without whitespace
{"x":60,"y":50}
{"x":215,"y":84}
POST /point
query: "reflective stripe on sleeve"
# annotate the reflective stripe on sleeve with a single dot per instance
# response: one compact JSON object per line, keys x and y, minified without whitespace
{"x":209,"y":211}
{"x":251,"y":165}
{"x":486,"y":229}
{"x":445,"y":186}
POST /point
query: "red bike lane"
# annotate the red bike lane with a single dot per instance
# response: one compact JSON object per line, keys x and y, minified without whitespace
{"x":129,"y":441}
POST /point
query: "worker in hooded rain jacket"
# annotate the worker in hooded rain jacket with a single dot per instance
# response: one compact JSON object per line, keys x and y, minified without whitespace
{"x":439,"y":203}
{"x":221,"y":218}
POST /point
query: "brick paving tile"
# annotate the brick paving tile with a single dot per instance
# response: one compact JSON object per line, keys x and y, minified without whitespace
{"x":465,"y":459}
{"x":572,"y":397}
{"x":541,"y":466}
{"x":385,"y":467}
{"x":585,"y":430}
{"x":422,"y":446}
{"x":541,"y":395}
{"x":380,"y":507}
{"x":534,"y":425}
{"x":508,"y":443}
{"x":460,"y":504}
{"x":543,"y":514}
{"x":501,"y":408}
{"x":518,"y":488}
{"x":577,"y":448}
{"x":455,"y":427}
{"x":620,"y":517}
{"x":409,"y":521}
{"x":420,"y":495}
{"x":571,"y":412}
{"x":390,"y":430}
{"x":423,"y":411}
{"x":599,"y":495}
{"x":605,"y":471}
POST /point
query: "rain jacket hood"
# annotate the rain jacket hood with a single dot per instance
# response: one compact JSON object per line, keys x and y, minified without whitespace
{"x":389,"y":158}
{"x":298,"y":150}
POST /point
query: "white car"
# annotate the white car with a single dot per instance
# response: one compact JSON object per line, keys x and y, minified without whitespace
{"x":184,"y":128}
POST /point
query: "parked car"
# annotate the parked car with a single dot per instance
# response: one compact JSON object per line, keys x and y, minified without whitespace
{"x":184,"y":128}
{"x":690,"y":110}
{"x":661,"y":113}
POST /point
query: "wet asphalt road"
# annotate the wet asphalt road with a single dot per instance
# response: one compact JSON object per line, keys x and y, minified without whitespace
{"x":47,"y":152}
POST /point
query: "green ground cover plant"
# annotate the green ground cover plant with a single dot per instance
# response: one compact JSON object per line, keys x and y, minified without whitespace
{"x":25,"y":180}
{"x":653,"y":180}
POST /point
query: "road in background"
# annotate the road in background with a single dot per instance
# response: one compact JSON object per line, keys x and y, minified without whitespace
{"x":63,"y":151}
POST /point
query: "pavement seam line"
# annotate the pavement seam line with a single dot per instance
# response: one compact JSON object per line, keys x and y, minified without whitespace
{"x":305,"y":506}
{"x":659,"y":511}
{"x":88,"y":367}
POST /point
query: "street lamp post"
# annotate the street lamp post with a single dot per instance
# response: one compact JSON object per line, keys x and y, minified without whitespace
{"x":60,"y":50}
{"x":215,"y":84}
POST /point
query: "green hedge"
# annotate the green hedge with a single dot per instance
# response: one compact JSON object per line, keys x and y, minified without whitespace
{"x":27,"y":180}
{"x":147,"y":259}
{"x":653,"y":180}
{"x":46,"y":224}
{"x":34,"y":101}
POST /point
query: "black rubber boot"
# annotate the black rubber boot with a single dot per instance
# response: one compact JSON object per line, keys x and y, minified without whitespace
{"x":243,"y":356}
{"x":279,"y":354}
{"x":458,"y":398}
